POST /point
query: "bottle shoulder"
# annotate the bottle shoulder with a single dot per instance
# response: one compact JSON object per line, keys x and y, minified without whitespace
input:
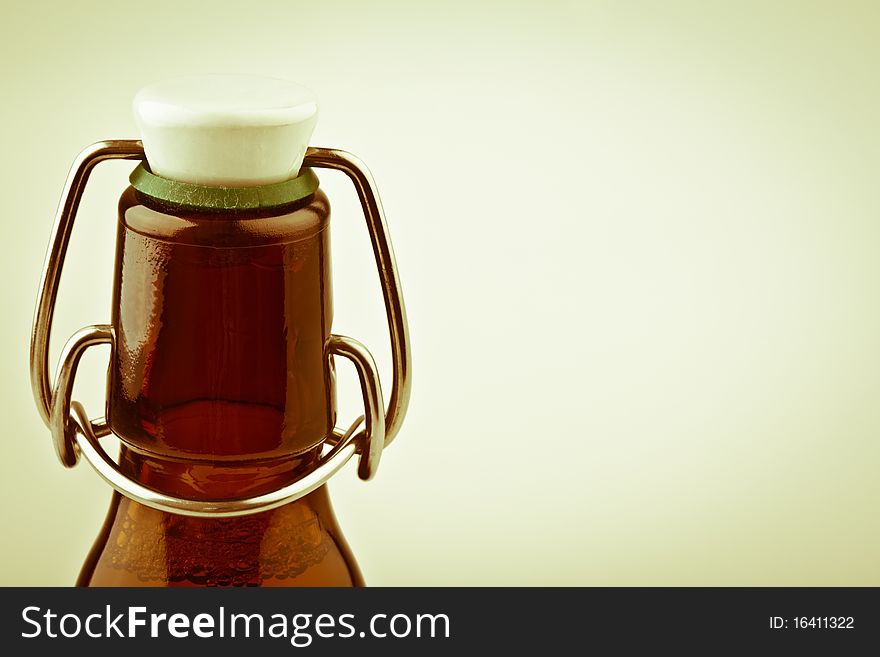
{"x":298,"y":544}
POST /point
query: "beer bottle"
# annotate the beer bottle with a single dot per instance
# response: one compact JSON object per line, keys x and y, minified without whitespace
{"x":221,"y":378}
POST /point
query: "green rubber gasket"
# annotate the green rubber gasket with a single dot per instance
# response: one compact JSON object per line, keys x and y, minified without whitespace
{"x":190,"y":195}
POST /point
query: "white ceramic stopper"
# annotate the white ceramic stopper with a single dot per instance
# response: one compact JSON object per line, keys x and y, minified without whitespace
{"x":225,"y":130}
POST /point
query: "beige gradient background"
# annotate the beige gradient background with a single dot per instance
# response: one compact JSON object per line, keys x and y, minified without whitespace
{"x":641,"y":253}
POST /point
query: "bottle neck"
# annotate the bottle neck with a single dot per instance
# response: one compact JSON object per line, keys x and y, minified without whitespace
{"x":220,"y":384}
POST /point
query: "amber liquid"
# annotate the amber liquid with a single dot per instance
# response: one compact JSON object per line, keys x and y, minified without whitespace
{"x":220,"y":387}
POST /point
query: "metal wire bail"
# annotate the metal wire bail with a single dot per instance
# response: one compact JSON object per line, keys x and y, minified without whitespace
{"x":74,"y":434}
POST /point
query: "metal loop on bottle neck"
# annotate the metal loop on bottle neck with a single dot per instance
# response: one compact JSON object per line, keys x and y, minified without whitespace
{"x":74,"y":434}
{"x":78,"y":436}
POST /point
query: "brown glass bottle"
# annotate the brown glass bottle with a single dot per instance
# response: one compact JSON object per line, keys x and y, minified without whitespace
{"x":220,"y":387}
